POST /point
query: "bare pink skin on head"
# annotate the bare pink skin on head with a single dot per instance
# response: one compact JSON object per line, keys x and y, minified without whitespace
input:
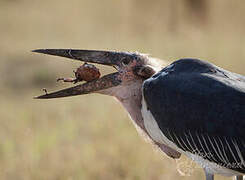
{"x":125,"y":84}
{"x":130,"y":96}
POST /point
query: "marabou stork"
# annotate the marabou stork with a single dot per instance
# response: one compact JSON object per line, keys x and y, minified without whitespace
{"x":190,"y":107}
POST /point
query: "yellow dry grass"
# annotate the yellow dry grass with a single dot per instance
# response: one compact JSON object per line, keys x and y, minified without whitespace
{"x":91,"y":137}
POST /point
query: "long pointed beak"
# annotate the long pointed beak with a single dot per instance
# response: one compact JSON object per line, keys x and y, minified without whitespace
{"x":105,"y":82}
{"x":92,"y":56}
{"x":100,"y":57}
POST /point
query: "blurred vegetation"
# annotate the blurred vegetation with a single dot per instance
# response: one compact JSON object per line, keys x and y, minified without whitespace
{"x":91,"y":137}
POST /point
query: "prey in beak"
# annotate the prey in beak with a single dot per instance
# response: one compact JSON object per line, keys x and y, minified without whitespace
{"x":86,"y":72}
{"x":131,"y":67}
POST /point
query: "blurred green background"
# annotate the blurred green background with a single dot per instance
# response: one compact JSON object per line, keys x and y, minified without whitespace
{"x":91,"y":136}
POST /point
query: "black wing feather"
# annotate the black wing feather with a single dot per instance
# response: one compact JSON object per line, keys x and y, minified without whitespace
{"x":201,"y":108}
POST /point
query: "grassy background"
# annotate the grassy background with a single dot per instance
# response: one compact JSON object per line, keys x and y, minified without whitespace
{"x":91,"y":137}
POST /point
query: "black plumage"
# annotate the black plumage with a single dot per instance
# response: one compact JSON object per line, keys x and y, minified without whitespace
{"x":201,"y":108}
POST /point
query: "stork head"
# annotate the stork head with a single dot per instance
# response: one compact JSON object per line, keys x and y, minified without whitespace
{"x":132,"y":70}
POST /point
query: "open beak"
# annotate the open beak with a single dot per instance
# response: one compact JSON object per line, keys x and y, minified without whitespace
{"x":100,"y":57}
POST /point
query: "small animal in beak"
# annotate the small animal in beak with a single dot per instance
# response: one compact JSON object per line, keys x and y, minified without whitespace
{"x":86,"y":72}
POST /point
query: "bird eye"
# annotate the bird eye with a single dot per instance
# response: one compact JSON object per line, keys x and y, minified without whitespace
{"x":125,"y":62}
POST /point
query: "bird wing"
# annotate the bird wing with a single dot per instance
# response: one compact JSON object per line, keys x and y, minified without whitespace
{"x":201,"y":108}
